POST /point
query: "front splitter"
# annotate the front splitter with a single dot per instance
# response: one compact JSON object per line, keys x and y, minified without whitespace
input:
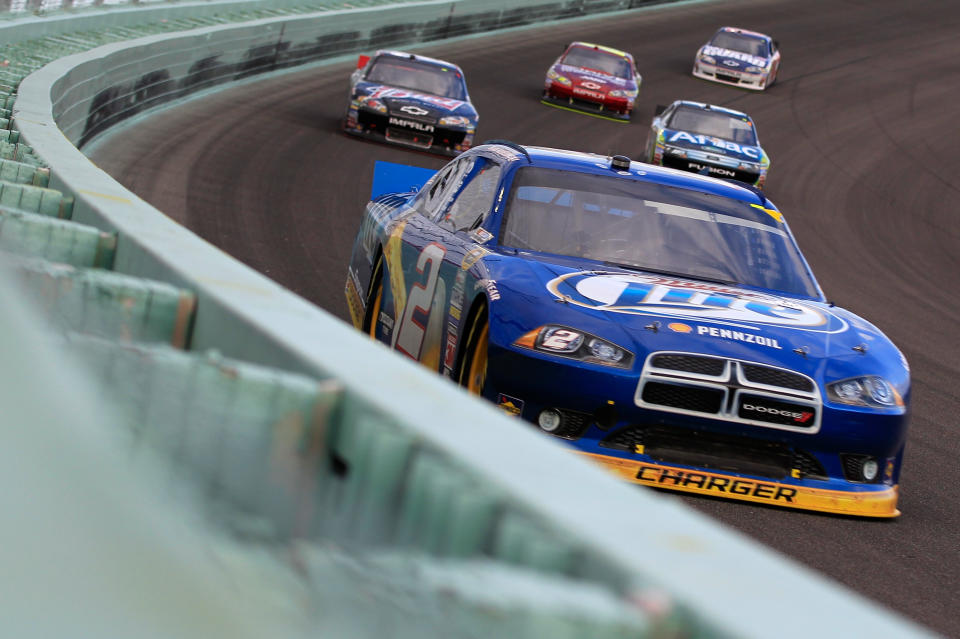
{"x":860,"y":503}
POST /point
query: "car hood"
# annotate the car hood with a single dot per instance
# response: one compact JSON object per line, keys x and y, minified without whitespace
{"x":736,"y":60}
{"x":593,"y":80}
{"x":647,"y":313}
{"x":407,"y":103}
{"x":708,"y":144}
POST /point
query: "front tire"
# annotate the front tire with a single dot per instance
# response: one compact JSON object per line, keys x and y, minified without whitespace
{"x":473,"y":369}
{"x":374,"y":300}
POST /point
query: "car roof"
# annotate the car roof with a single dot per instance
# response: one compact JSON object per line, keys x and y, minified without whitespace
{"x":746,"y":32}
{"x":600,"y":47}
{"x":703,"y":106}
{"x":403,"y":55}
{"x":564,"y":160}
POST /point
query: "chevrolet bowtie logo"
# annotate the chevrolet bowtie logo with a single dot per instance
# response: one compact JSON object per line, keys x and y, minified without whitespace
{"x":413,"y":110}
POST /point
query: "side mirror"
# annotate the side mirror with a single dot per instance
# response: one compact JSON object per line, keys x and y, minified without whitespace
{"x":660,"y":109}
{"x":776,"y":45}
{"x":362,"y":61}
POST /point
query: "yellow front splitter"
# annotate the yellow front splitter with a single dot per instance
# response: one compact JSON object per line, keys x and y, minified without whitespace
{"x":877,"y":503}
{"x":582,"y":112}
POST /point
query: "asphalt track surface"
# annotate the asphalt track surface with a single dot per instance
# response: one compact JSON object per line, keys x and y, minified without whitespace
{"x":862,"y":131}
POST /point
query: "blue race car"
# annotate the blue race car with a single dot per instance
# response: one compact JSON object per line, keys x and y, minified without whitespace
{"x":411,"y":100}
{"x":664,"y":323}
{"x":707,"y":139}
{"x":740,"y":58}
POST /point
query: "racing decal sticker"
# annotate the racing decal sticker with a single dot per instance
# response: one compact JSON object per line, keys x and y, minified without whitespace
{"x":739,"y":336}
{"x":774,"y":213}
{"x":354,"y":300}
{"x":480,"y":235}
{"x":453,"y":321}
{"x":705,"y":140}
{"x":411,"y":337}
{"x":410,"y":124}
{"x":707,"y":482}
{"x":473,"y":256}
{"x":491,"y":288}
{"x":638,"y":294}
{"x":736,"y":55}
{"x":568,"y":70}
{"x":393,"y":256}
{"x":391,"y":92}
{"x":510,"y":405}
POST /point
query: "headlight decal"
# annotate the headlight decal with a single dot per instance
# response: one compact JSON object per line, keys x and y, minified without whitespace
{"x":567,"y":342}
{"x":871,"y":391}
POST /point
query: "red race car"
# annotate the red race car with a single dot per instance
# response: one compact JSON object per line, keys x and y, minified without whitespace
{"x":597,"y":80}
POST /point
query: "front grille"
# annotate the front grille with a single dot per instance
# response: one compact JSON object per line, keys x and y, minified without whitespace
{"x":572,"y":424}
{"x":731,"y":390}
{"x":625,"y":439}
{"x":727,"y":78}
{"x":589,"y":105}
{"x":776,"y":377}
{"x":807,"y":465}
{"x":690,"y":363}
{"x":406,"y":136}
{"x":711,"y":451}
{"x":692,"y":398}
{"x":449,"y":137}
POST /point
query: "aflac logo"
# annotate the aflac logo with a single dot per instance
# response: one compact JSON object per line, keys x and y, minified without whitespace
{"x":657,"y":295}
{"x":703,"y":140}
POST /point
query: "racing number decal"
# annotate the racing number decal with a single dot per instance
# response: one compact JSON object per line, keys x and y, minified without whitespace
{"x":561,"y":340}
{"x":409,"y":337}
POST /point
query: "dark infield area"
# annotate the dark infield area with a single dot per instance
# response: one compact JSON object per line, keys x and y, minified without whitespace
{"x":862,"y":132}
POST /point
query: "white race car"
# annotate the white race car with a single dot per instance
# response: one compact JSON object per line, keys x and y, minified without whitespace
{"x":740,"y":58}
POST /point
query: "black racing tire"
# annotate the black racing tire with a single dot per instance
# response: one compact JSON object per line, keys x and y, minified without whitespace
{"x":374,"y":299}
{"x":473,"y":366}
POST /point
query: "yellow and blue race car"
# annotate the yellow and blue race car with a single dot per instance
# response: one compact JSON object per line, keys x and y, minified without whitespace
{"x":664,"y":323}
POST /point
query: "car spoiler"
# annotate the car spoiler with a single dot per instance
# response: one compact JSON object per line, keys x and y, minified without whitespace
{"x":389,"y":177}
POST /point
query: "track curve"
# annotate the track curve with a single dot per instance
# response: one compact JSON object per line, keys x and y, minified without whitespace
{"x":861,"y":129}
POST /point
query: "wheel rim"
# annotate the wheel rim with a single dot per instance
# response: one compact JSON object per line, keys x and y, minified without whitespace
{"x":477,"y":374}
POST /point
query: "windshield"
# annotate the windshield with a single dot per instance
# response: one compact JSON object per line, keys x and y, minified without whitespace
{"x":742,"y":43}
{"x":598,"y":60}
{"x":654,"y":228}
{"x":418,"y":76}
{"x":715,"y":124}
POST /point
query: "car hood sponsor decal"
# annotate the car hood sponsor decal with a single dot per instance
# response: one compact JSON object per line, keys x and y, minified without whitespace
{"x":712,"y":145}
{"x":580,"y":75}
{"x":646,"y":295}
{"x":745,"y":59}
{"x":409,"y":97}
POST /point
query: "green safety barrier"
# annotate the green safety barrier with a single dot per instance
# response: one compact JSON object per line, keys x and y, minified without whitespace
{"x":305,"y":435}
{"x":34,"y":235}
{"x":23,"y":173}
{"x":112,"y":305}
{"x":35,"y":199}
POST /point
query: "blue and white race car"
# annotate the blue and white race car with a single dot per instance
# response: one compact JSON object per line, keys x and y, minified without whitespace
{"x":411,"y":100}
{"x":740,"y":58}
{"x":663,"y":323}
{"x":707,"y":139}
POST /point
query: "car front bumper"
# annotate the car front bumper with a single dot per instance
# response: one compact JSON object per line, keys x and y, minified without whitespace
{"x":601,"y":417}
